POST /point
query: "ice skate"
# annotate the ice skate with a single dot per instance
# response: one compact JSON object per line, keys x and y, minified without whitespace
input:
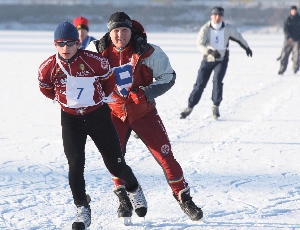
{"x":83,"y":215}
{"x":186,"y":112}
{"x":295,"y":70}
{"x":138,"y":201}
{"x":125,"y":207}
{"x":188,"y":206}
{"x":216,"y":112}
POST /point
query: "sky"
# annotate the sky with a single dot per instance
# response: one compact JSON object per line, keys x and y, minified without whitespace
{"x":243,"y":169}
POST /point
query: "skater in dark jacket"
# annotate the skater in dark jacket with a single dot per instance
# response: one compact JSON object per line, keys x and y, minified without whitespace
{"x":143,"y":72}
{"x":213,"y":42}
{"x":81,"y":81}
{"x":291,"y":29}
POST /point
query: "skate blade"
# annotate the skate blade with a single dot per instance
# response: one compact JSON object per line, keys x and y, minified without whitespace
{"x":201,"y":221}
{"x":127,"y":221}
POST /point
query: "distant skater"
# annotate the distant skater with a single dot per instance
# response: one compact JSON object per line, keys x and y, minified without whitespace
{"x":213,"y":42}
{"x":82,"y":25}
{"x":291,"y":29}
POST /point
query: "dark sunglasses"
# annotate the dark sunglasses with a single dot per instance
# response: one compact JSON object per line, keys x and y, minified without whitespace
{"x":68,"y":43}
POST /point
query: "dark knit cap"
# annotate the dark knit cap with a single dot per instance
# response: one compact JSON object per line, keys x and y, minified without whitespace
{"x":119,"y":19}
{"x":66,"y":31}
{"x":218,"y":10}
{"x":293,"y":8}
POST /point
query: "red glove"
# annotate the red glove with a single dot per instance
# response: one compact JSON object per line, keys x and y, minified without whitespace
{"x":138,"y":95}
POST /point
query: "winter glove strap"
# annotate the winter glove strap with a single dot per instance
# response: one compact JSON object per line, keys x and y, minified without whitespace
{"x":138,"y":95}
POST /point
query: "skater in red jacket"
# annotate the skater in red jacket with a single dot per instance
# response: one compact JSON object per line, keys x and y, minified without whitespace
{"x":81,"y":81}
{"x":143,"y":72}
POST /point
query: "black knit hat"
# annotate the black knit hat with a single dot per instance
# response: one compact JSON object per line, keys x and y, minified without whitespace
{"x":67,"y":31}
{"x":293,"y":8}
{"x":218,"y":10}
{"x":119,"y":19}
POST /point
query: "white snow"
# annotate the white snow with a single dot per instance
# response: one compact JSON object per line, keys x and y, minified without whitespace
{"x":243,"y":169}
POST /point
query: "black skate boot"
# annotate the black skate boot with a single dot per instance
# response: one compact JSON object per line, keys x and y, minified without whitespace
{"x":138,"y":201}
{"x":280,"y":72}
{"x":125,"y":208}
{"x":188,"y":206}
{"x":296,"y":70}
{"x":216,"y":112}
{"x":83,"y":214}
{"x":186,"y":112}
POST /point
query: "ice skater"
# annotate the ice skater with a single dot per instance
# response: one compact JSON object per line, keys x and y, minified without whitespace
{"x":80,"y":82}
{"x":143,"y":72}
{"x":213,"y":42}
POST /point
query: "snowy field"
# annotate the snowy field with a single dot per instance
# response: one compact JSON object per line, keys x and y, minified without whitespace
{"x":243,"y":170}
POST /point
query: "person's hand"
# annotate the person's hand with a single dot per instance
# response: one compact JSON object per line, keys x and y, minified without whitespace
{"x":214,"y":53}
{"x":249,"y":52}
{"x":137,"y":95}
{"x":290,"y":40}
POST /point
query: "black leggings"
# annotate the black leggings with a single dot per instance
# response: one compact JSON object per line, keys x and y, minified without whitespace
{"x":98,"y":125}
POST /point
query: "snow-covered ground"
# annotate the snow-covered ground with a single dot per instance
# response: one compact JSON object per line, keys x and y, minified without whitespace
{"x":243,"y":169}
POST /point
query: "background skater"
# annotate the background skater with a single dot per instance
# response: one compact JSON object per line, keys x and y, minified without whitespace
{"x":213,"y":42}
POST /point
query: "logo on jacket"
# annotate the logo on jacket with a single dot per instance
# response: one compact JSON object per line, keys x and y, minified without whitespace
{"x":63,"y":81}
{"x":165,"y":149}
{"x":104,"y":63}
{"x":81,"y":66}
{"x":59,"y":72}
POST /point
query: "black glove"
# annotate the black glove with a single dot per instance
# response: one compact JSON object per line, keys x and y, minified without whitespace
{"x":214,"y":53}
{"x":249,"y":52}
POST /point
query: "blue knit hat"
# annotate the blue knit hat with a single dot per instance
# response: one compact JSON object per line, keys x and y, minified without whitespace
{"x":66,"y":31}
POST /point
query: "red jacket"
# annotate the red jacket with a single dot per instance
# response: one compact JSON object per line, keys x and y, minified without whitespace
{"x":52,"y":80}
{"x":142,"y":76}
{"x":148,"y":62}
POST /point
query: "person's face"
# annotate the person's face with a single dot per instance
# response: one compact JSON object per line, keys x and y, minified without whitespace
{"x":216,"y":18}
{"x":68,"y":49}
{"x":83,"y":33}
{"x":120,"y":37}
{"x":293,"y":12}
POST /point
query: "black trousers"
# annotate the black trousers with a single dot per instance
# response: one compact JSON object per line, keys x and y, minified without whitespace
{"x":98,"y":125}
{"x":204,"y":72}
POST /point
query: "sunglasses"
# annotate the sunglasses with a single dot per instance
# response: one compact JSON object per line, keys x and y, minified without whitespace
{"x":68,"y":43}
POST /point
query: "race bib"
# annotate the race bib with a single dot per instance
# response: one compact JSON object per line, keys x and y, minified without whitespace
{"x":217,"y":39}
{"x":80,"y":91}
{"x":123,"y":78}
